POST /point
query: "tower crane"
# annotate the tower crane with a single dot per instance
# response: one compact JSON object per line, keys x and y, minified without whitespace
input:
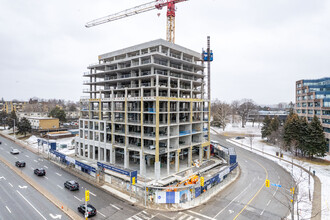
{"x":157,"y":4}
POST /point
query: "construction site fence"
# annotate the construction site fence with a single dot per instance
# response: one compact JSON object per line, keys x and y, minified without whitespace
{"x":175,"y":197}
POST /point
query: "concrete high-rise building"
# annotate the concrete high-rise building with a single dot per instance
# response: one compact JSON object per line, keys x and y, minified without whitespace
{"x":313,"y":98}
{"x":146,"y":109}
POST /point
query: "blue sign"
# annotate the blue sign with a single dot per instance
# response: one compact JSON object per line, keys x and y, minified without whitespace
{"x":85,"y":166}
{"x":273,"y":184}
{"x":57,"y":154}
{"x":129,"y":173}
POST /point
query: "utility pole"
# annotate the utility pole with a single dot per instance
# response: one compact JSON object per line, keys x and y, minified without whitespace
{"x":292,"y":188}
{"x":14,"y":130}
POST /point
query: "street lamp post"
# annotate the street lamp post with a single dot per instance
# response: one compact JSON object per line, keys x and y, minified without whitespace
{"x":14,"y":130}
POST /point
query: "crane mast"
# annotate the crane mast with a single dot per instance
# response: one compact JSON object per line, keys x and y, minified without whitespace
{"x":158,"y":4}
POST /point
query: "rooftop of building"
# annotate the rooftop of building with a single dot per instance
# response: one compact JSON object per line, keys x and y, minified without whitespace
{"x":151,"y":44}
{"x":41,"y":118}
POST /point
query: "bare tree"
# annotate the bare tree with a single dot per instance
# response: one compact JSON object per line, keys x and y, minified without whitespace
{"x":244,"y":109}
{"x":220,"y":111}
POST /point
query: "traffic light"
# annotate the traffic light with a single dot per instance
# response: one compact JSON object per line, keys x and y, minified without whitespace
{"x":267,"y":183}
{"x":202,"y":181}
{"x":292,"y":190}
{"x":87,"y":195}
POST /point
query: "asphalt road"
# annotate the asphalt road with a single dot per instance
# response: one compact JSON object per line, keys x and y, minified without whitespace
{"x":108,"y":206}
{"x":247,"y":198}
{"x":18,"y":200}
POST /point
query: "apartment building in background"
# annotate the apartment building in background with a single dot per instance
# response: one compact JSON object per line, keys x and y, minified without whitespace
{"x":146,"y":110}
{"x":313,"y":98}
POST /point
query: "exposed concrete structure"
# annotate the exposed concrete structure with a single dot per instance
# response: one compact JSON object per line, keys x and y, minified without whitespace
{"x":313,"y":98}
{"x":146,"y":109}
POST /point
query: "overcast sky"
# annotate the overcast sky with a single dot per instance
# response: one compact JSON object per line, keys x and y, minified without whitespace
{"x":261,"y":47}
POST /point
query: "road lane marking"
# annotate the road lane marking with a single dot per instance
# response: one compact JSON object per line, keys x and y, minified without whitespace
{"x":59,"y":186}
{"x":1,"y":148}
{"x":101,"y":214}
{"x":77,"y":198}
{"x":55,"y":216}
{"x":92,"y":193}
{"x":256,"y":192}
{"x":183,"y":216}
{"x":16,"y":157}
{"x":46,"y":167}
{"x":31,"y":205}
{"x":204,"y":216}
{"x":58,"y":174}
{"x":11,"y":184}
{"x":2,"y":177}
{"x":46,"y":177}
{"x":262,"y":212}
{"x":22,"y":187}
{"x":35,"y":161}
{"x":115,"y":207}
{"x":8,"y":209}
{"x":232,"y":201}
{"x":268,"y":202}
{"x":27,"y":155}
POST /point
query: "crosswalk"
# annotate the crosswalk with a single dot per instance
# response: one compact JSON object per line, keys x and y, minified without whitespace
{"x":143,"y":215}
{"x":185,"y":216}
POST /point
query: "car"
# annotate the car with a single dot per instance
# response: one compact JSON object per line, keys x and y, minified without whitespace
{"x":239,"y":137}
{"x":14,"y":151}
{"x":40,"y":172}
{"x":20,"y":163}
{"x":91,"y":211}
{"x":71,"y":185}
{"x":0,"y":142}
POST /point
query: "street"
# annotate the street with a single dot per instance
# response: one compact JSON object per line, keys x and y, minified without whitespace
{"x":246,"y":198}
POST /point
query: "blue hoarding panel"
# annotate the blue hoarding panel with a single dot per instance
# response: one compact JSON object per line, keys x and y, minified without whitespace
{"x":197,"y":191}
{"x":170,"y":197}
{"x":85,"y":166}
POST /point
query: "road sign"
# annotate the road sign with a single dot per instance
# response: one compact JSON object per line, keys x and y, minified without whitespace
{"x":87,"y":195}
{"x":267,"y":182}
{"x":277,"y":185}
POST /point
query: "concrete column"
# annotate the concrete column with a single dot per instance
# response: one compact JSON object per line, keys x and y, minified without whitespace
{"x":201,"y":154}
{"x":208,"y":152}
{"x":168,"y":163}
{"x":190,"y":156}
{"x":126,"y":158}
{"x":157,"y":170}
{"x":177,"y":161}
{"x":89,"y":151}
{"x":112,"y":155}
{"x":142,"y":164}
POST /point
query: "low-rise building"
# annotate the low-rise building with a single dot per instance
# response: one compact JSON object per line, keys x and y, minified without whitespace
{"x":44,"y":123}
{"x":313,"y":98}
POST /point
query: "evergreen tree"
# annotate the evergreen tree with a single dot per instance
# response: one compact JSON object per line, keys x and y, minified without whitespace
{"x":304,"y":136}
{"x":10,"y":120}
{"x":58,"y":113}
{"x":3,"y":117}
{"x":274,"y":124}
{"x":318,"y":144}
{"x":291,"y":131}
{"x":24,"y":126}
{"x":266,"y":130}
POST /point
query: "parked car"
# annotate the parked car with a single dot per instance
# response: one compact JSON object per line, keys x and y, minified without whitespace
{"x":90,"y":209}
{"x":71,"y":185}
{"x":40,"y":172}
{"x":20,"y":163}
{"x":14,"y":151}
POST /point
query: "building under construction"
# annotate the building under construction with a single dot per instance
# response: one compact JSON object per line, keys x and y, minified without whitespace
{"x":146,"y":110}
